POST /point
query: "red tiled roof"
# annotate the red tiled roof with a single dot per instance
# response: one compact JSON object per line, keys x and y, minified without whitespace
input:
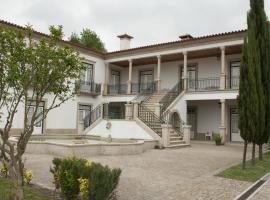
{"x":136,"y":48}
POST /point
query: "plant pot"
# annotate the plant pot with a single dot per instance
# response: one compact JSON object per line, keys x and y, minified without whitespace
{"x":218,"y":142}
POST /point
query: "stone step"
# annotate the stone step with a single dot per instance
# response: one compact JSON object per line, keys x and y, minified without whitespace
{"x":177,"y":142}
{"x":177,"y":146}
{"x":175,"y":138}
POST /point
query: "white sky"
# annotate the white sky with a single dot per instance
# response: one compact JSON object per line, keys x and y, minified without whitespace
{"x":148,"y":21}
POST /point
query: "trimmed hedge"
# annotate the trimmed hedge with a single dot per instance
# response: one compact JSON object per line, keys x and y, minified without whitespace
{"x":101,"y":179}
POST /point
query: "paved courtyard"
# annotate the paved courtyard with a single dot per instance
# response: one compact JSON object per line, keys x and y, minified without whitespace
{"x":165,"y":174}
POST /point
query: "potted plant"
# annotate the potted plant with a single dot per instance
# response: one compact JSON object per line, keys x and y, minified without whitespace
{"x":217,"y":139}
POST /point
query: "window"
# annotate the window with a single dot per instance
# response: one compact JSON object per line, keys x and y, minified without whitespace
{"x":38,"y":125}
{"x":84,"y":114}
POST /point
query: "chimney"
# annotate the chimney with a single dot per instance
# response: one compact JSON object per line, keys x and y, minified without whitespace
{"x":185,"y":37}
{"x":125,"y":41}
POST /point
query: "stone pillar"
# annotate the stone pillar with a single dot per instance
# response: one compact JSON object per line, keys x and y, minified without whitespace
{"x":128,"y":111}
{"x":185,"y":77}
{"x":186,"y":132}
{"x":135,"y":109}
{"x":222,"y":70}
{"x":158,"y":73}
{"x":107,"y":79}
{"x":157,"y":109}
{"x":166,"y":134}
{"x":129,"y":77}
{"x":222,"y":128}
{"x":80,"y":127}
{"x":105,"y":111}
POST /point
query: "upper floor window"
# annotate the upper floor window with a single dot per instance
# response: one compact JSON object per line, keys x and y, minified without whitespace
{"x":87,"y":76}
{"x":234,"y":74}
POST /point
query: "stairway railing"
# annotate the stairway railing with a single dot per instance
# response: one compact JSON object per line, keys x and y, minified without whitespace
{"x":93,"y":116}
{"x":171,"y":96}
{"x":150,"y":119}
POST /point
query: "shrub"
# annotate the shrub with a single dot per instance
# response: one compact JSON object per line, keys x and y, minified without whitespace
{"x":4,"y":170}
{"x":91,"y":180}
{"x":28,"y":176}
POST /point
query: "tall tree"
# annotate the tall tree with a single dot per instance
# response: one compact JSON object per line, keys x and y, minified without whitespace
{"x":31,"y":70}
{"x":262,"y":34}
{"x":89,"y":39}
{"x":254,"y":105}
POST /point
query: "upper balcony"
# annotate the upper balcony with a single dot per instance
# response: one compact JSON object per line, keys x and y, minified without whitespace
{"x":212,"y":84}
{"x":90,"y":88}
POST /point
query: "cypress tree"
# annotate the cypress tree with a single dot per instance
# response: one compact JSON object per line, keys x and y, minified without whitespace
{"x":252,"y":108}
{"x":260,"y":25}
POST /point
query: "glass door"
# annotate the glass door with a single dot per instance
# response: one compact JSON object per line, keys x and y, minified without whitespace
{"x":235,"y":132}
{"x":87,"y":78}
{"x":115,"y":82}
{"x":38,"y":124}
{"x":234,"y":74}
{"x":191,"y":75}
{"x":192,"y":121}
{"x":146,"y":81}
{"x":85,"y":115}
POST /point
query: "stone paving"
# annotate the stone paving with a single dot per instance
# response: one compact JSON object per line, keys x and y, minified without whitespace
{"x":165,"y":174}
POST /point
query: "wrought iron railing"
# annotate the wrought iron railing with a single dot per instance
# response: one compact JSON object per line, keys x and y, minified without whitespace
{"x":117,"y":89}
{"x":232,"y":82}
{"x":143,"y":88}
{"x":89,"y":87}
{"x":203,"y":84}
{"x":171,"y":96}
{"x":150,"y":119}
{"x":93,"y":116}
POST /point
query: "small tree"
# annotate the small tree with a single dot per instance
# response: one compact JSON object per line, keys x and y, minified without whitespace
{"x":31,"y":71}
{"x":89,"y":39}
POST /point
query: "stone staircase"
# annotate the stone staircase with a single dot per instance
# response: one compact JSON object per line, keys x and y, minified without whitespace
{"x":148,"y":116}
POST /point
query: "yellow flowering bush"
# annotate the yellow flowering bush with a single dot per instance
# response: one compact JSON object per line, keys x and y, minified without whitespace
{"x":88,"y":163}
{"x":84,"y":185}
{"x":28,"y":176}
{"x":4,"y":169}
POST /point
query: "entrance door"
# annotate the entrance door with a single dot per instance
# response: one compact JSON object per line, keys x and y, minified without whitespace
{"x":38,"y":127}
{"x":235,"y":132}
{"x":192,"y":121}
{"x":146,"y":81}
{"x":84,"y":115}
{"x":115,"y":82}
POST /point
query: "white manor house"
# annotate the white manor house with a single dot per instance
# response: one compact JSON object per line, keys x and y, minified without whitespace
{"x":170,"y":92}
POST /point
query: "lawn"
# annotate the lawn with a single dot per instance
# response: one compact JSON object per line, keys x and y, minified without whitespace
{"x":251,"y":173}
{"x":7,"y":192}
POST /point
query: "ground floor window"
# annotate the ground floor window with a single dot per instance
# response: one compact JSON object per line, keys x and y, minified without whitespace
{"x":38,"y":125}
{"x":84,"y":114}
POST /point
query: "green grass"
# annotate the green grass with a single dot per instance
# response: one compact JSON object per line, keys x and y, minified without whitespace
{"x":7,"y":192}
{"x":250,"y":174}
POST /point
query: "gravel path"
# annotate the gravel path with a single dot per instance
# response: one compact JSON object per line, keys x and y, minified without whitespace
{"x":165,"y":174}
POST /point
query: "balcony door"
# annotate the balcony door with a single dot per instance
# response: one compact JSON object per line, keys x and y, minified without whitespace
{"x":115,"y":82}
{"x":87,"y":77}
{"x":146,"y":81}
{"x":191,"y":75}
{"x":234,"y":74}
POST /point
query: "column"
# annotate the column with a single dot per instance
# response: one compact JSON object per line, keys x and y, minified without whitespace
{"x":158,"y":73}
{"x":222,"y":70}
{"x":135,"y":109}
{"x":186,"y":134}
{"x":107,"y":77}
{"x":166,"y":128}
{"x":185,"y":77}
{"x":222,"y":128}
{"x":129,"y":76}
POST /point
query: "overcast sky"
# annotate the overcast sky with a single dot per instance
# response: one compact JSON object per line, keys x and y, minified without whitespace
{"x":148,"y":21}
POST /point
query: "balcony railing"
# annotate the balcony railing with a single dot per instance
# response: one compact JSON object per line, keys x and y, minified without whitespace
{"x":203,"y":84}
{"x":232,"y":83}
{"x":143,"y":88}
{"x":89,"y":87}
{"x":117,"y":89}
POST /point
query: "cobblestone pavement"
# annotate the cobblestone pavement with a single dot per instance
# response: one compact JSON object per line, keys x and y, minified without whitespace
{"x":264,"y":193}
{"x":165,"y":174}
